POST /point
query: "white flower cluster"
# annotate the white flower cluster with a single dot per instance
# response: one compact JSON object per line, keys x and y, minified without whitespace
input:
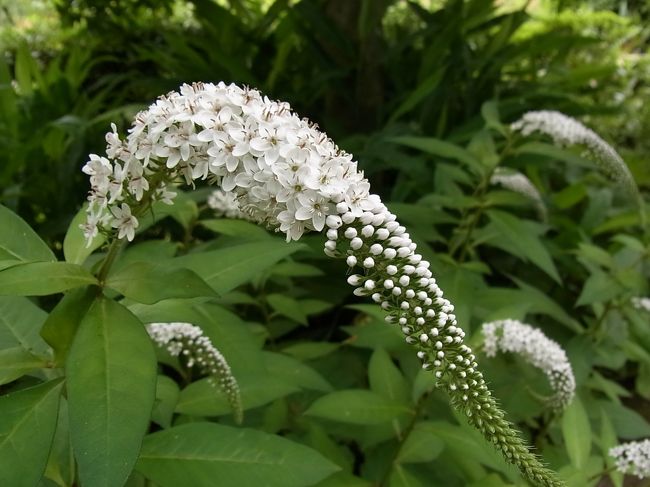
{"x":281,"y":169}
{"x":519,"y":183}
{"x":225,"y":205}
{"x":641,"y":303}
{"x":537,"y":349}
{"x":188,"y":341}
{"x":565,"y":130}
{"x":633,"y":458}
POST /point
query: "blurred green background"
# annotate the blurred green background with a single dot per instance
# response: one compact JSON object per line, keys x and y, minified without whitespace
{"x":363,"y":70}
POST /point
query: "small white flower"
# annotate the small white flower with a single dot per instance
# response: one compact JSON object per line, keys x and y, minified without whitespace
{"x":632,"y":458}
{"x":314,"y":207}
{"x":124,"y":221}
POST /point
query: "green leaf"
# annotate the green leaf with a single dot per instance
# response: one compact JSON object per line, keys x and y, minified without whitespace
{"x":577,"y":433}
{"x":225,"y":269}
{"x":149,"y":283}
{"x":490,"y":113}
{"x":18,"y":241}
{"x":75,"y":247}
{"x":438,"y":148}
{"x":386,"y":379}
{"x":111,"y":372}
{"x":20,"y":322}
{"x":527,"y":244}
{"x":422,"y":444}
{"x":236,"y":228}
{"x":294,"y":372}
{"x":401,"y":477}
{"x":310,"y":350}
{"x":184,"y":211}
{"x":62,"y":323}
{"x":416,"y":96}
{"x":167,"y":394}
{"x":553,"y":152}
{"x":208,"y":454}
{"x":609,"y":440}
{"x":628,"y":424}
{"x":598,"y":288}
{"x":287,"y":306}
{"x":16,"y":362}
{"x":27,"y":426}
{"x":202,"y":398}
{"x":356,"y":406}
{"x":43,"y":278}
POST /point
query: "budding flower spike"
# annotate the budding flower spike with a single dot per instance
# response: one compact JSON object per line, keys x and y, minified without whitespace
{"x":288,"y":175}
{"x":632,"y":458}
{"x":518,"y":183}
{"x":188,"y":341}
{"x":537,"y":349}
{"x":567,"y":131}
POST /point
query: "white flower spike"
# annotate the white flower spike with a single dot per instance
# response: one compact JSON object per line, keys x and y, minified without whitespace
{"x":188,"y":341}
{"x":566,"y":131}
{"x":288,"y":175}
{"x":536,"y":348}
{"x":632,"y":458}
{"x":518,"y":183}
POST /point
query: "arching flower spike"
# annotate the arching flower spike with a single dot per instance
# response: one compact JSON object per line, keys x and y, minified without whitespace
{"x":188,"y":341}
{"x":536,"y":348}
{"x":289,"y":176}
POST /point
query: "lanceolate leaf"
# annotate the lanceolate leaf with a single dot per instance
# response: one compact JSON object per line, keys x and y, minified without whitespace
{"x":43,"y":278}
{"x":356,"y":406}
{"x":225,"y":269}
{"x":519,"y":237}
{"x":18,"y":241}
{"x":148,"y":283}
{"x":27,"y":425}
{"x":16,"y":362}
{"x":62,"y":323}
{"x":20,"y":320}
{"x":209,"y":454}
{"x":111,"y":370}
{"x":577,"y":433}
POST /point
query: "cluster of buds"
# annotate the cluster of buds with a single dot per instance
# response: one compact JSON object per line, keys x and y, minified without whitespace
{"x":385,"y":266}
{"x":512,"y":336}
{"x":633,"y":458}
{"x":188,"y":342}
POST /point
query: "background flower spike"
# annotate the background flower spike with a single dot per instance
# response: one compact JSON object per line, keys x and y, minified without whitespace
{"x":188,"y":341}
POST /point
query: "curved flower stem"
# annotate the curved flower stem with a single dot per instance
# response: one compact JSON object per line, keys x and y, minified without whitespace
{"x":109,"y":260}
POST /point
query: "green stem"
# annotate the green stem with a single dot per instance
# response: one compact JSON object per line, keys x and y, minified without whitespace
{"x":109,"y":260}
